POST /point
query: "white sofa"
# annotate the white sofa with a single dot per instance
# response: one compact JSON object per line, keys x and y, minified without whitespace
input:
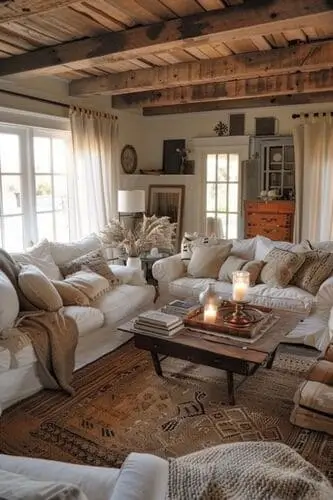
{"x":97,"y":324}
{"x":174,"y":282}
{"x":141,"y":477}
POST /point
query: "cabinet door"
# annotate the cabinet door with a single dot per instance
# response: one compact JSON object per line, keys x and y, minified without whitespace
{"x":278,"y":166}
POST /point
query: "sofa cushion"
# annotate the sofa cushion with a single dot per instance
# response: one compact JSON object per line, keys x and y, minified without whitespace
{"x":96,"y":482}
{"x":317,"y":267}
{"x":20,"y":487}
{"x":281,"y":266}
{"x":93,"y":285}
{"x":206,"y":261}
{"x":232,"y":264}
{"x":123,"y":301}
{"x":40,"y":256}
{"x":315,"y":396}
{"x":70,"y":295}
{"x":95,"y":261}
{"x":38,"y":289}
{"x":64,"y":252}
{"x":86,"y":318}
{"x":193,"y":240}
{"x":9,"y":303}
{"x":128,"y":275}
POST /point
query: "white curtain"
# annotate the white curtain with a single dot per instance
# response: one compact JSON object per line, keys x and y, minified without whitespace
{"x":95,"y":170}
{"x":313,"y":142}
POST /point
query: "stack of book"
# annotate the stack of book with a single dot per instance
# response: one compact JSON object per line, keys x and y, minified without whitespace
{"x":157,"y":322}
{"x":182,"y":308}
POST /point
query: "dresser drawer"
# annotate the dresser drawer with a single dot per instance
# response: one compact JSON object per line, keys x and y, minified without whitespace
{"x":282,"y":207}
{"x":271,"y":220}
{"x":274,"y":233}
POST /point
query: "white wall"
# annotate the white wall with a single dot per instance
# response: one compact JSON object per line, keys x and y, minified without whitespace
{"x":189,"y":126}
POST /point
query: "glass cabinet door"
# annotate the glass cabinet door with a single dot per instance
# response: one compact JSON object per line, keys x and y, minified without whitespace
{"x":278,"y":166}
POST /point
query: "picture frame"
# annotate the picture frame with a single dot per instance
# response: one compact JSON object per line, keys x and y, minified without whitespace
{"x":172,"y":159}
{"x":168,"y":201}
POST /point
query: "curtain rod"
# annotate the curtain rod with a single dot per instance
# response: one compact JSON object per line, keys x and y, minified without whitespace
{"x":40,"y":99}
{"x":306,"y":115}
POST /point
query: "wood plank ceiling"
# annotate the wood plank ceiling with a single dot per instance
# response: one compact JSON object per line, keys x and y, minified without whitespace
{"x":169,"y":56}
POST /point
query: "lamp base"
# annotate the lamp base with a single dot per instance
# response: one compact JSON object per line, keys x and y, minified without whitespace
{"x":130,"y":221}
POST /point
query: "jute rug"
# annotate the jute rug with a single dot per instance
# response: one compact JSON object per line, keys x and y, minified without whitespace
{"x":121,"y":405}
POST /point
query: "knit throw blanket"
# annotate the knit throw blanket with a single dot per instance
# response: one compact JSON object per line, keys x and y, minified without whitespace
{"x":246,"y":471}
{"x":53,"y":336}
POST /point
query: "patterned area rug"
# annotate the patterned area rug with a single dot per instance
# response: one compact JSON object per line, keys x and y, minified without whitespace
{"x":121,"y":405}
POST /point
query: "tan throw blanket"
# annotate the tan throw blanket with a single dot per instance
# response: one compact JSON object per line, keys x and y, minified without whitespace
{"x":53,"y":336}
{"x":246,"y":471}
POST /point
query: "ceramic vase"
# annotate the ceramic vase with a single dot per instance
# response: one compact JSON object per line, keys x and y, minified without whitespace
{"x":134,"y":262}
{"x":209,"y":296}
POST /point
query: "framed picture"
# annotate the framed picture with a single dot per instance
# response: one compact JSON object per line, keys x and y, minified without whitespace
{"x":171,"y":157}
{"x":168,"y":201}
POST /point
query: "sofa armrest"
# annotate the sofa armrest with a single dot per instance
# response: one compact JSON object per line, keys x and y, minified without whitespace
{"x":324,"y":297}
{"x":169,"y":269}
{"x":142,"y":477}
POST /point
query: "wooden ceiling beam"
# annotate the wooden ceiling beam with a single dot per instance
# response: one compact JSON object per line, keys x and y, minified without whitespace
{"x":306,"y":57}
{"x":15,"y":10}
{"x":240,"y":21}
{"x":234,"y":104}
{"x":294,"y":83}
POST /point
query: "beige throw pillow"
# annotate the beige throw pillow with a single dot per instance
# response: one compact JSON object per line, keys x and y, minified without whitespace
{"x":38,"y":289}
{"x":317,"y":267}
{"x":206,"y":261}
{"x":70,"y":295}
{"x":93,"y":285}
{"x":280,"y":267}
{"x":234,"y":263}
{"x":95,"y":261}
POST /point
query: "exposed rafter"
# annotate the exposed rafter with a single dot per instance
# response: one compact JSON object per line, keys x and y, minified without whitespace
{"x":15,"y":10}
{"x":307,"y":57}
{"x":243,"y":21}
{"x":236,"y":89}
{"x":234,"y":104}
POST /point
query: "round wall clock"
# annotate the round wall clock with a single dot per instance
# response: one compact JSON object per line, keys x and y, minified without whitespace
{"x":129,"y":159}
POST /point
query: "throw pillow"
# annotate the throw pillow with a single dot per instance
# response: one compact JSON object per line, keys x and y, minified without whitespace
{"x":206,"y":261}
{"x":280,"y":267}
{"x":64,"y":252}
{"x":317,"y":267}
{"x":233,"y":263}
{"x":93,"y":285}
{"x":245,"y":249}
{"x":9,"y":304}
{"x":93,"y":260}
{"x":40,"y":256}
{"x":264,"y":245}
{"x":193,"y":240}
{"x":70,"y":295}
{"x":38,"y":289}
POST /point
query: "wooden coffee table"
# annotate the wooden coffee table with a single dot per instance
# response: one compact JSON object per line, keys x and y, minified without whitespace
{"x":230,"y":355}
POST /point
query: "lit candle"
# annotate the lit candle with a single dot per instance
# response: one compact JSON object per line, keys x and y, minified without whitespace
{"x":240,"y":282}
{"x":210,"y":312}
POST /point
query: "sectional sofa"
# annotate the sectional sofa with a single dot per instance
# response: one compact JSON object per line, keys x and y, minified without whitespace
{"x":175,"y":282}
{"x":97,"y":324}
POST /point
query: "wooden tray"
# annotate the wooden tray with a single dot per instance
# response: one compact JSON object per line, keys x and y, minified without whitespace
{"x":259,"y":315}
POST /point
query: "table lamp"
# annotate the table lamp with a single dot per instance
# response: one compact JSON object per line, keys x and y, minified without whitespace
{"x":131,"y":207}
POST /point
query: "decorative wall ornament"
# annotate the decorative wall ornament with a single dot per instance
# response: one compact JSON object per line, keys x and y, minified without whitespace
{"x":221,"y":128}
{"x":129,"y":159}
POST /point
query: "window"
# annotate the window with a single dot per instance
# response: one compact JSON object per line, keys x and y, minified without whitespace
{"x":222,"y":194}
{"x":33,"y":186}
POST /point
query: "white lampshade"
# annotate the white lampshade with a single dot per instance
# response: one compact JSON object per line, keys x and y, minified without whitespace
{"x":130,"y":202}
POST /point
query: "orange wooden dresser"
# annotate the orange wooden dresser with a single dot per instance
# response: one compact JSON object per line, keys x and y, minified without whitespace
{"x":274,"y":219}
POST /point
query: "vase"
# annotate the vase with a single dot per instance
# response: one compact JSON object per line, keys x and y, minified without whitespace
{"x":134,"y":262}
{"x":209,"y":296}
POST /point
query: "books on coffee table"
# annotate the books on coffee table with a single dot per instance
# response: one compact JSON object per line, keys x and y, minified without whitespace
{"x":158,"y":322}
{"x":182,"y":308}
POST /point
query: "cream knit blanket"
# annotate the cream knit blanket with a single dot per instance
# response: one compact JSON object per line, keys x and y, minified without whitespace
{"x":246,"y":471}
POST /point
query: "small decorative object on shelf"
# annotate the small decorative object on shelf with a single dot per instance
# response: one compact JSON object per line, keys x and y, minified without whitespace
{"x":183,"y":152}
{"x":221,"y":129}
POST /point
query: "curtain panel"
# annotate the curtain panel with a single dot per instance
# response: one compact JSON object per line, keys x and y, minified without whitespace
{"x":94,"y":177}
{"x":313,"y":142}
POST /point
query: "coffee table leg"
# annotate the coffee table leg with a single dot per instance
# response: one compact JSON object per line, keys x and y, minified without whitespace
{"x":231,"y":392}
{"x":271,"y":360}
{"x":157,"y":364}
